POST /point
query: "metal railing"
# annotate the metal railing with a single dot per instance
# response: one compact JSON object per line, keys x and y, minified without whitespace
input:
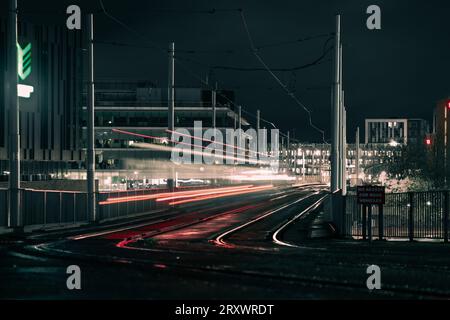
{"x":133,"y":201}
{"x":127,"y":207}
{"x":3,"y":207}
{"x":45,"y":207}
{"x":412,"y":215}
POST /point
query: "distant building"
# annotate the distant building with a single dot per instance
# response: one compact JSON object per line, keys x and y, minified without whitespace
{"x":50,"y":119}
{"x":418,"y":130}
{"x":314,"y":160}
{"x":128,"y":113}
{"x":441,"y":136}
{"x":396,"y":131}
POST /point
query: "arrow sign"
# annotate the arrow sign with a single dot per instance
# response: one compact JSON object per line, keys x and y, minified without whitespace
{"x":24,"y":61}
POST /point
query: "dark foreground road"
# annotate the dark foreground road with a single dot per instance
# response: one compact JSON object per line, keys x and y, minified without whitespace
{"x":238,"y":247}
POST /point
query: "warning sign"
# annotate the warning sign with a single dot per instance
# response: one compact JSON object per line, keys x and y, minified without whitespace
{"x":370,"y":194}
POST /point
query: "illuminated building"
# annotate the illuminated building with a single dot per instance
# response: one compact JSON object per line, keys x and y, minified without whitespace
{"x":396,"y":131}
{"x":50,"y":118}
{"x":134,"y":112}
{"x":441,"y":136}
{"x":311,"y":160}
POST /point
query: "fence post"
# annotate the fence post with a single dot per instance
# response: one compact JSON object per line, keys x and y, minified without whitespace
{"x":45,"y":207}
{"x":344,"y":216}
{"x":74,"y":207}
{"x":446,"y":214}
{"x":380,"y":222}
{"x":369,"y":222}
{"x":411,"y":217}
{"x":60,"y":207}
{"x":364,"y":220}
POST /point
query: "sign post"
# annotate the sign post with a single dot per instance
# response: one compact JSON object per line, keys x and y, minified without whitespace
{"x":367,"y":196}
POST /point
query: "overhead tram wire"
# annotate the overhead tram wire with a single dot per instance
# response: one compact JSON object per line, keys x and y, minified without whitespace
{"x":165,"y":51}
{"x":289,"y":93}
{"x":156,"y":46}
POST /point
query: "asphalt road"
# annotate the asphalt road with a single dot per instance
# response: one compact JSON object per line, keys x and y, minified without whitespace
{"x":251,"y":246}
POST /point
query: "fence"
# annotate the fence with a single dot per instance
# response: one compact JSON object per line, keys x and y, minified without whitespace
{"x":42,"y":207}
{"x":413,"y":215}
{"x":127,"y":206}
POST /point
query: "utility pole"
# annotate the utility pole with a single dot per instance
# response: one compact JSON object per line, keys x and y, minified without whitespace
{"x":303,"y":165}
{"x":15,"y":211}
{"x":288,"y":152}
{"x":239,"y":117}
{"x":171,"y":107}
{"x":344,"y":149}
{"x":335,"y":110}
{"x":213,"y":103}
{"x":341,"y":125}
{"x":357,"y":156}
{"x":258,"y":119}
{"x":90,"y":125}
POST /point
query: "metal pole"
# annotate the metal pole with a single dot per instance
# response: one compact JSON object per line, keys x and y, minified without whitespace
{"x":411,"y":217}
{"x":369,"y":222}
{"x":288,"y":152}
{"x":344,"y":151}
{"x":446,"y":173}
{"x":239,"y":117}
{"x":446,"y":214}
{"x":358,"y":155}
{"x":341,"y":123}
{"x":363,"y":209}
{"x":335,"y":111}
{"x":258,"y":119}
{"x":90,"y":125}
{"x":171,"y":106}
{"x":15,"y":213}
{"x":380,"y":222}
{"x":213,"y":102}
{"x":303,"y":165}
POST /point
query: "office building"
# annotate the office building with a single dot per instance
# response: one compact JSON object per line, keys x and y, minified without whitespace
{"x":396,"y":131}
{"x":50,"y":118}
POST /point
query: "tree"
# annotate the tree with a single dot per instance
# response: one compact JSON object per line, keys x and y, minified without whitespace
{"x":417,"y":166}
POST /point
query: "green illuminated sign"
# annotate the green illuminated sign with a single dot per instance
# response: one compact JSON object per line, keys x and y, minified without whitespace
{"x":24,"y":61}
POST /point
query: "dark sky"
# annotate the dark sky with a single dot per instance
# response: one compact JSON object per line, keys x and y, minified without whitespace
{"x":399,"y":71}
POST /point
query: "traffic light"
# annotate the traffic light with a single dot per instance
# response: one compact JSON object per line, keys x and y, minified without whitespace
{"x":448,"y":104}
{"x":428,"y":141}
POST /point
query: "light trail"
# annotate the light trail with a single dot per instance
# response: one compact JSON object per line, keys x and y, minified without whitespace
{"x":220,"y":239}
{"x":166,"y":194}
{"x":170,"y":149}
{"x":277,"y":233}
{"x":235,"y":193}
{"x":212,"y":141}
{"x":124,"y":243}
{"x":138,"y":134}
{"x":174,"y":197}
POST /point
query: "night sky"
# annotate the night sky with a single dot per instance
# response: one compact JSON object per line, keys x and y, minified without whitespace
{"x":399,"y":71}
